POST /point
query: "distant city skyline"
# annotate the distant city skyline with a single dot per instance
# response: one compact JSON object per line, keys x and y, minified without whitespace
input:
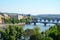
{"x":33,"y":7}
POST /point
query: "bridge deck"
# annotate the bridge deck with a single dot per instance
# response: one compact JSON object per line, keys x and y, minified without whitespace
{"x":47,"y":22}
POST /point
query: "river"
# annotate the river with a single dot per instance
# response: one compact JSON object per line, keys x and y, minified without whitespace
{"x":40,"y":25}
{"x":31,"y":26}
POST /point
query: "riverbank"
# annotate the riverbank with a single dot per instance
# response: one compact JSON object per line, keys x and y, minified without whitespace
{"x":2,"y":26}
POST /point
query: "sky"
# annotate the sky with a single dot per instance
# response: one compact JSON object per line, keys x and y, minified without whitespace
{"x":30,"y":6}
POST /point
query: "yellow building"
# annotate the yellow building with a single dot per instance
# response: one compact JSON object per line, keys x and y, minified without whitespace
{"x":1,"y":19}
{"x":21,"y":17}
{"x":6,"y":16}
{"x":3,"y":16}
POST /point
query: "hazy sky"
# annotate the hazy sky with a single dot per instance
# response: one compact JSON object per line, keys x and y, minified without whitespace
{"x":30,"y":6}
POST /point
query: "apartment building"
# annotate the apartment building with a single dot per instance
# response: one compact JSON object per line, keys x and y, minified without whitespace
{"x":21,"y":17}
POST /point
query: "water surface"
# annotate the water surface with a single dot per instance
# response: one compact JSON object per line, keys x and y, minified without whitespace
{"x":40,"y":25}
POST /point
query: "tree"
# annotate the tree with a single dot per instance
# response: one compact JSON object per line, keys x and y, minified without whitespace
{"x":53,"y":32}
{"x":35,"y":34}
{"x":20,"y":32}
{"x":47,"y":38}
{"x":22,"y":20}
{"x":9,"y":33}
{"x":14,"y":20}
{"x":58,"y":28}
{"x":7,"y":20}
{"x":12,"y":32}
{"x":11,"y":20}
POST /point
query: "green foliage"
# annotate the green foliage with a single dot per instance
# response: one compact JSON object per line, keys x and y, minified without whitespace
{"x":53,"y":32}
{"x":35,"y":37}
{"x":22,"y":20}
{"x":20,"y":32}
{"x":58,"y":28}
{"x":35,"y":34}
{"x":7,"y":20}
{"x":11,"y":20}
{"x":47,"y":38}
{"x":36,"y":30}
{"x":14,"y":20}
{"x":53,"y":29}
{"x":12,"y":33}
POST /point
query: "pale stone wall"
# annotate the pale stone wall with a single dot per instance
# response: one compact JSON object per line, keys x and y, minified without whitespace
{"x":20,"y":17}
{"x":1,"y":21}
{"x":6,"y":16}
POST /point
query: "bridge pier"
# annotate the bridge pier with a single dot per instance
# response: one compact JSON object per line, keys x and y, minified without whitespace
{"x":57,"y":21}
{"x":34,"y":23}
{"x":45,"y":24}
{"x":27,"y":23}
{"x":56,"y":24}
{"x":40,"y":20}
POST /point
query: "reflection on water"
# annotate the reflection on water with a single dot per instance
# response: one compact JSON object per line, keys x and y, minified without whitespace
{"x":40,"y":25}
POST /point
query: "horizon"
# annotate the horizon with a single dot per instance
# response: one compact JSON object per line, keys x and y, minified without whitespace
{"x":28,"y":14}
{"x":33,"y":7}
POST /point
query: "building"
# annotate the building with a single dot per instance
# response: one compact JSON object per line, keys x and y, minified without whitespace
{"x":3,"y":16}
{"x":6,"y":16}
{"x":13,"y":15}
{"x":1,"y":19}
{"x":21,"y":17}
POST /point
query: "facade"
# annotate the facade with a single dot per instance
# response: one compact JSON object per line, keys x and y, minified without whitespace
{"x":21,"y":17}
{"x":3,"y":16}
{"x":6,"y":16}
{"x":1,"y":19}
{"x":11,"y":15}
